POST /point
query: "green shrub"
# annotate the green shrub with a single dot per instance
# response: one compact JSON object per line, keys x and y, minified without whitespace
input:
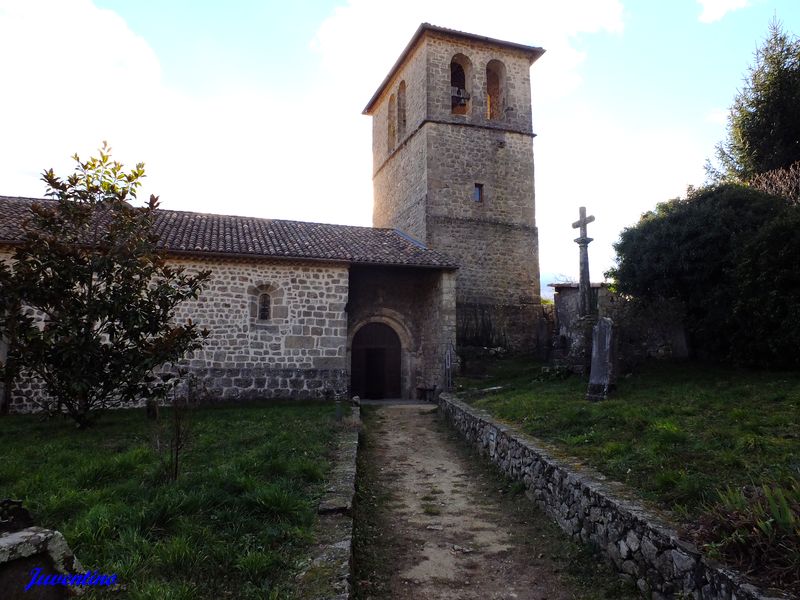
{"x":767,"y":308}
{"x":727,"y":256}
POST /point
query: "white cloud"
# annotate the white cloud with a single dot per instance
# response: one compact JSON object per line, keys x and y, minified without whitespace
{"x":616,"y":172}
{"x":378,"y":26}
{"x":355,"y":73}
{"x":80,"y":75}
{"x":714,"y":10}
{"x":69,"y":69}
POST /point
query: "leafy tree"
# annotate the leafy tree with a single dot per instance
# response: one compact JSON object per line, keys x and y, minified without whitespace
{"x":689,"y":250}
{"x":764,"y":123}
{"x":100,"y":297}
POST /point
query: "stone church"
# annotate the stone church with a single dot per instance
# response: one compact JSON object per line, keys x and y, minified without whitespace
{"x":310,"y":310}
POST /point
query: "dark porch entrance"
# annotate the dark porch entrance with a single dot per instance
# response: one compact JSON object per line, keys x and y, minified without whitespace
{"x":375,"y":366}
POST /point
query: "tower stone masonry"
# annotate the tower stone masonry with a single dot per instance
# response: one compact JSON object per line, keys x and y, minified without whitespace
{"x":452,"y":149}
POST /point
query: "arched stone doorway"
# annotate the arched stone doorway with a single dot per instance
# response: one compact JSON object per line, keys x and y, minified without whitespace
{"x":376,"y":362}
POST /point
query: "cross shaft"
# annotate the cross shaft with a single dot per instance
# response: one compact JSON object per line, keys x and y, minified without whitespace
{"x":585,"y":286}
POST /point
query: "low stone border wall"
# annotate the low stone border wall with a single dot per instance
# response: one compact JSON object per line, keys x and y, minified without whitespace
{"x":328,"y":574}
{"x":639,"y":543}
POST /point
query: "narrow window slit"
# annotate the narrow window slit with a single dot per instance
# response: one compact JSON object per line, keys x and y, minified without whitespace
{"x":264,"y":302}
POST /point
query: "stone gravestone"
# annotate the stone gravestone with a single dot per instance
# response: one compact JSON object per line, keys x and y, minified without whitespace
{"x":602,"y":378}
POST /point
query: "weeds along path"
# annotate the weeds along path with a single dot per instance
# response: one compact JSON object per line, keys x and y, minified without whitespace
{"x":433,"y":521}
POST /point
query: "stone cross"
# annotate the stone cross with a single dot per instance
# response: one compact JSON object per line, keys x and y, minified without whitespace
{"x":585,"y":286}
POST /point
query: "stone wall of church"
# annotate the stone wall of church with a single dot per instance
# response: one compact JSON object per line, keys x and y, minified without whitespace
{"x":426,"y":187}
{"x":398,"y":169}
{"x":517,"y":90}
{"x":414,"y":73}
{"x":27,"y":387}
{"x":419,"y":304}
{"x":498,"y":260}
{"x":400,"y":189}
{"x":426,"y":73}
{"x":424,"y":159}
{"x":501,"y":161}
{"x":494,"y":240}
{"x":299,"y":352}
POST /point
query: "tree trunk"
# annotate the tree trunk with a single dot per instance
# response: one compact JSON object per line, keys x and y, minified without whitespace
{"x":82,"y":414}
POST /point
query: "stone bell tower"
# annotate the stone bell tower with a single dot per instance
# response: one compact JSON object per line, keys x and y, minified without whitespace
{"x":452,"y":147}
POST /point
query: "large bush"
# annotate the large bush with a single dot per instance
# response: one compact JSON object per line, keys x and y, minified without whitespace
{"x":726,"y":255}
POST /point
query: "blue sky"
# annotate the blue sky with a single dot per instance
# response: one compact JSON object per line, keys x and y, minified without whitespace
{"x":254,"y":108}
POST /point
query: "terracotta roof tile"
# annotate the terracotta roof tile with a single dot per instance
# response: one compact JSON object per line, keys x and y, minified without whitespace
{"x":201,"y":233}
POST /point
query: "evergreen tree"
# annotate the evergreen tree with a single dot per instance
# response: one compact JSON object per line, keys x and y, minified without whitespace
{"x":764,"y":121}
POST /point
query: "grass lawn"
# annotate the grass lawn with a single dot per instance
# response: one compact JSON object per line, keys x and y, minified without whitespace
{"x":718,"y":446}
{"x":675,"y":432}
{"x":236,"y":523}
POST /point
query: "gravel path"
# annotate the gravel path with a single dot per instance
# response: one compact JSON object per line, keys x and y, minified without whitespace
{"x":449,"y":528}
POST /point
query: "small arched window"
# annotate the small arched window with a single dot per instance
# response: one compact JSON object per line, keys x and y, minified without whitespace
{"x":264,"y":307}
{"x":391,"y":131}
{"x":495,"y":90}
{"x":401,"y":110}
{"x":460,"y":84}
